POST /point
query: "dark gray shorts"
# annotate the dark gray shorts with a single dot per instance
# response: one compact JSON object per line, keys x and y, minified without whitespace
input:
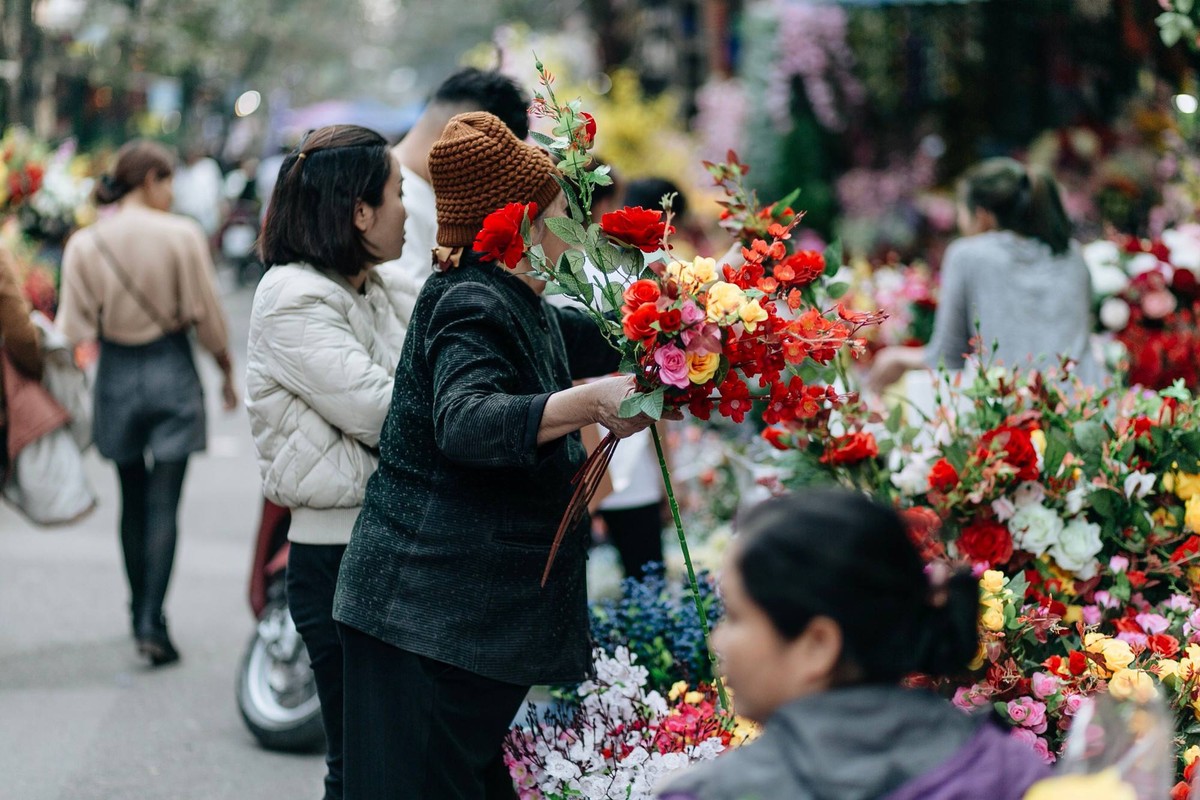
{"x":148,"y":397}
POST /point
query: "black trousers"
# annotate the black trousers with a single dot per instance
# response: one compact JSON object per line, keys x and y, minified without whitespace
{"x":418,"y":729}
{"x":637,"y":535}
{"x":311,"y":580}
{"x":149,"y":527}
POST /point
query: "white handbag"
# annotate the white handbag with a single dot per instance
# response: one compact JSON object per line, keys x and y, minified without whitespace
{"x":65,"y":381}
{"x":47,"y":482}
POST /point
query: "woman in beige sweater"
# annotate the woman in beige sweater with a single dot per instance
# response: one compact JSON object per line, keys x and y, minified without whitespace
{"x":140,"y":281}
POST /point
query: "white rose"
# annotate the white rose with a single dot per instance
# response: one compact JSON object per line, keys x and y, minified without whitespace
{"x":1143,"y":262}
{"x":1184,"y":246}
{"x":1102,"y":253}
{"x":1077,"y":497}
{"x":1114,"y":314}
{"x":1034,"y":528}
{"x":1108,"y":280}
{"x":913,"y":478}
{"x":1077,"y":547}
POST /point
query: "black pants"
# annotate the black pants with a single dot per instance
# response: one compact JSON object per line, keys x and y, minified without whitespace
{"x":311,"y":580}
{"x":149,"y":528}
{"x":418,"y":729}
{"x":637,"y":535}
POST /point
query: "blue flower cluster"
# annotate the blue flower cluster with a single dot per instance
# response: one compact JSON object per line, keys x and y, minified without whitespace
{"x":657,"y":620}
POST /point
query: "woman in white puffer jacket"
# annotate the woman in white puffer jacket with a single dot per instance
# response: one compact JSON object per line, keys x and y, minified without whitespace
{"x":325,"y":337}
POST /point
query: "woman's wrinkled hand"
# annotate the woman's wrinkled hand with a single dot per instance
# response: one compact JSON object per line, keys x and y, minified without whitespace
{"x":608,"y":394}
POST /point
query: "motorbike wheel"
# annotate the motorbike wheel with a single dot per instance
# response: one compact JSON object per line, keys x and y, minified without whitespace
{"x":276,"y":692}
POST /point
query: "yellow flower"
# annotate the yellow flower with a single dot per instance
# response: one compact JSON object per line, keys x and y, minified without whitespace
{"x":703,"y":270}
{"x":752,"y":314}
{"x":1167,"y":669}
{"x":722,"y":300}
{"x":693,"y":698}
{"x":1116,"y":654}
{"x":1190,"y":755}
{"x":1074,"y":614}
{"x":1191,"y":514}
{"x":1163,"y":518}
{"x":1039,"y":441}
{"x":1186,"y":486}
{"x":993,"y":581}
{"x":701,"y":368}
{"x":992,"y":619}
{"x":1168,"y":481}
{"x":1106,"y":784}
{"x":1132,"y":684}
{"x":677,"y":690}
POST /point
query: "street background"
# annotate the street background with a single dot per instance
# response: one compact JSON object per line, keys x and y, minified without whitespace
{"x":81,"y":716}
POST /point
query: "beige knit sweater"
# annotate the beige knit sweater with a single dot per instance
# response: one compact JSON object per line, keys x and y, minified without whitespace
{"x":165,"y":257}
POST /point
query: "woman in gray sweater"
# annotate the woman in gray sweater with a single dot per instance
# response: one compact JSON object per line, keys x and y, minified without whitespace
{"x":1016,"y":282}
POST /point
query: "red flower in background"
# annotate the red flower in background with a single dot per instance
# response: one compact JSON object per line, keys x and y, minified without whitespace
{"x":775,"y":437}
{"x":735,"y":399}
{"x":923,"y":525}
{"x":500,"y":239}
{"x":851,"y":449}
{"x":943,"y":476}
{"x":637,"y":227}
{"x":986,"y":541}
{"x":1017,"y":449}
{"x":800,"y":269}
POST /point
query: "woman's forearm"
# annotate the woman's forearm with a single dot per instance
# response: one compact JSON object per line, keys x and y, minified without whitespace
{"x":567,"y":411}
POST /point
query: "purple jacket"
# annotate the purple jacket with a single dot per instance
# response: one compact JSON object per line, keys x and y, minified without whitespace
{"x":868,"y":743}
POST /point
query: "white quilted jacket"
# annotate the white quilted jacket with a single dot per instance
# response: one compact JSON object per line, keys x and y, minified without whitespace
{"x":320,"y":366}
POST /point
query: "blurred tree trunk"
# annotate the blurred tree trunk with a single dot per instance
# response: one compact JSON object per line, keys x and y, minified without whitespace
{"x":22,"y":43}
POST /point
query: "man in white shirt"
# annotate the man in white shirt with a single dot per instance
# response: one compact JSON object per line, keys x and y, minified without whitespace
{"x":199,"y":186}
{"x":466,"y":90}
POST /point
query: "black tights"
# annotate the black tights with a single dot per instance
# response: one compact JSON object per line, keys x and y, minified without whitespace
{"x":149,"y":506}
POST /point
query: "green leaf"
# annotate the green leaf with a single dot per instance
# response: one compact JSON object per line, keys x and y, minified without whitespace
{"x":833,"y":258}
{"x":573,"y":205}
{"x":1090,"y":434}
{"x":613,"y":297}
{"x":568,"y":274}
{"x":568,"y":230}
{"x":1058,"y":444}
{"x":787,"y":201}
{"x":894,"y":420}
{"x":1184,"y":6}
{"x":837,"y":290}
{"x":542,"y":139}
{"x":650,"y":404}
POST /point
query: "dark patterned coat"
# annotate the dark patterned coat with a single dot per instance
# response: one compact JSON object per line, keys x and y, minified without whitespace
{"x":447,"y":555}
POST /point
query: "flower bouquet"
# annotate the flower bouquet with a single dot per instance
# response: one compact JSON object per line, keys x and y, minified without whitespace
{"x":907,"y":292}
{"x":694,"y":333}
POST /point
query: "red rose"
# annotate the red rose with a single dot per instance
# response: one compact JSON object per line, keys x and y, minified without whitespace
{"x":639,"y":293}
{"x":1017,"y":449}
{"x":943,"y":476}
{"x":1077,"y":663}
{"x":923,"y":525}
{"x":1187,"y":550}
{"x":588,"y":129}
{"x":851,"y":449}
{"x":986,"y":541}
{"x":637,"y":323}
{"x":1180,"y":791}
{"x":670,"y":320}
{"x":500,"y":239}
{"x":637,"y":227}
{"x":1163,"y":644}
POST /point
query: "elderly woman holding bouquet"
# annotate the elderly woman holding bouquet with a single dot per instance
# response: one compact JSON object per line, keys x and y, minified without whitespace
{"x":444,"y":621}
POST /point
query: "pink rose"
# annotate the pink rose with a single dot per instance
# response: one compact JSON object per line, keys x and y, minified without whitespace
{"x":1044,"y":685}
{"x":1134,"y":639}
{"x":1035,"y":742}
{"x":969,"y":699}
{"x":1118,"y":563}
{"x":1158,"y":304}
{"x":1028,"y":713}
{"x":672,"y":366}
{"x":1018,"y":711}
{"x":1105,"y":600}
{"x":1152,"y":623}
{"x":1073,"y":703}
{"x":692,"y":313}
{"x":1092,"y":615}
{"x":1192,"y":626}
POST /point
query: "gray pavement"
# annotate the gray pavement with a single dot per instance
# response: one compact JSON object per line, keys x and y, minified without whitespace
{"x":81,"y":718}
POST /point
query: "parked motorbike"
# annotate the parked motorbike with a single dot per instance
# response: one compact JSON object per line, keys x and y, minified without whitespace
{"x":276,"y":691}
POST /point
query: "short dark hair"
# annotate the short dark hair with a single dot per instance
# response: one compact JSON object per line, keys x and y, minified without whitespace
{"x":311,"y":215}
{"x":488,"y":91}
{"x":649,"y":192}
{"x":838,"y":554}
{"x":136,"y":160}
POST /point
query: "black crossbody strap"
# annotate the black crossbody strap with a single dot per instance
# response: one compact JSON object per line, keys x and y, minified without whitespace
{"x":143,"y":301}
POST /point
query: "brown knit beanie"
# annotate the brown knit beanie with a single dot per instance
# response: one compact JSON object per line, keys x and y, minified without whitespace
{"x":480,"y":166}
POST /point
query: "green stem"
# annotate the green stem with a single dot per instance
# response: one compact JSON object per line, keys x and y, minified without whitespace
{"x":691,"y":571}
